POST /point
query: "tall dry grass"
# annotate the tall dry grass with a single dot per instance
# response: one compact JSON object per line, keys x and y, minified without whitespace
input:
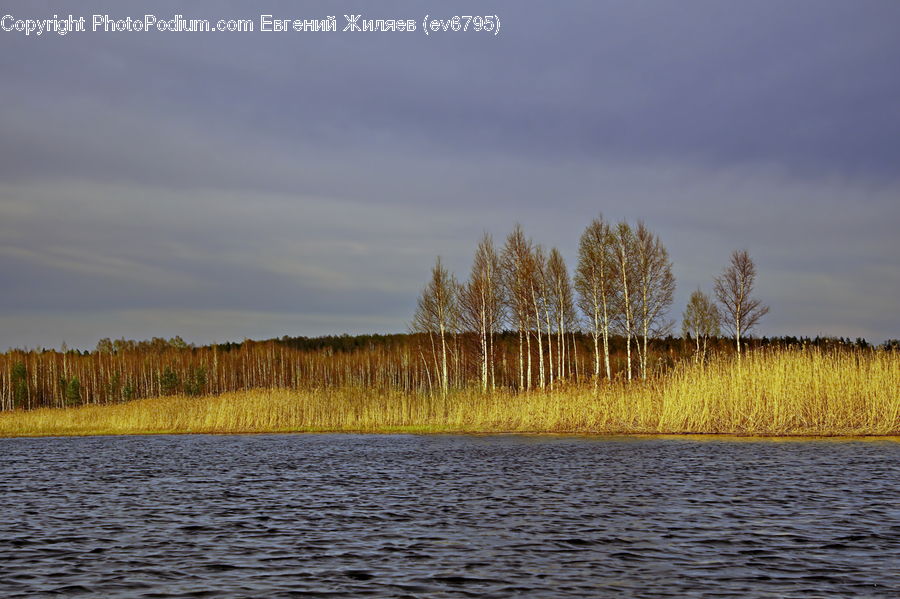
{"x":764,"y":393}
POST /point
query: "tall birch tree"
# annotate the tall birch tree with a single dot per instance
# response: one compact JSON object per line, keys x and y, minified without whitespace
{"x":436,"y":314}
{"x":538,"y":287}
{"x":562,"y":307}
{"x":655,"y":288}
{"x":595,"y":282}
{"x":481,"y":305}
{"x":626,"y":308}
{"x":516,"y":266}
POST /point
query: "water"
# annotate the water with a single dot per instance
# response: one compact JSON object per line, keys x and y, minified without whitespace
{"x":395,"y":516}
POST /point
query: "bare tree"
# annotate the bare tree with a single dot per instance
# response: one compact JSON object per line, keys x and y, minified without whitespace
{"x":733,"y":288}
{"x":626,"y":305}
{"x":516,"y":264}
{"x":655,"y":287}
{"x":538,"y":302}
{"x":562,"y":308}
{"x":481,"y":305}
{"x":701,"y":321}
{"x":595,"y":281}
{"x":436,"y":314}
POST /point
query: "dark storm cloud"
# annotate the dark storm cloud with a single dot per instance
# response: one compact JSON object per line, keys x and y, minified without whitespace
{"x":808,"y":85}
{"x":316,"y":175}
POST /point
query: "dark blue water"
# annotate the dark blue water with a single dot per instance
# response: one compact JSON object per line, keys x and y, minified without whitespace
{"x":408,"y":516}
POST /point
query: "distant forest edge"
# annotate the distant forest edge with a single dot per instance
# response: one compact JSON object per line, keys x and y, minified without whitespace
{"x":123,"y":370}
{"x":519,"y":322}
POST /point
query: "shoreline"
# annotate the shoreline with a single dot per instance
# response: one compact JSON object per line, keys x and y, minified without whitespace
{"x":424,"y":431}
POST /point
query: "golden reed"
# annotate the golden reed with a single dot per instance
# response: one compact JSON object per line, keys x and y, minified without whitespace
{"x":788,"y":392}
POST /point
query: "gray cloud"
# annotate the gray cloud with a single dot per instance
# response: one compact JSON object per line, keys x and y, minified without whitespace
{"x":309,"y":180}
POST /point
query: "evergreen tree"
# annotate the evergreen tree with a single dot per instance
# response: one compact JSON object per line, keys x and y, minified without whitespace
{"x":168,"y":381}
{"x":20,"y":385}
{"x":73,"y":391}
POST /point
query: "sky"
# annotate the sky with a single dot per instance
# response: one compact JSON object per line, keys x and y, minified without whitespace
{"x":222,"y":186}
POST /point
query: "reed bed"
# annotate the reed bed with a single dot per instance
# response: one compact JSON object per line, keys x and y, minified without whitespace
{"x":766,"y":393}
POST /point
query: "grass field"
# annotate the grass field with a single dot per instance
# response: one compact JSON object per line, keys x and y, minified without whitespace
{"x":789,"y":393}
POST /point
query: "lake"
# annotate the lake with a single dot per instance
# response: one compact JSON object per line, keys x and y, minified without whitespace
{"x":448,"y":516}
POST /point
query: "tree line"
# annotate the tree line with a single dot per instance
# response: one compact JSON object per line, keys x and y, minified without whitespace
{"x":53,"y":378}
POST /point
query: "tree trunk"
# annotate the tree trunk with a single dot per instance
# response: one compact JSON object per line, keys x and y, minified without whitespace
{"x":575,"y":355}
{"x":644,"y":356}
{"x":549,"y":347}
{"x":521,"y":364}
{"x":528,"y":348}
{"x":444,"y":384}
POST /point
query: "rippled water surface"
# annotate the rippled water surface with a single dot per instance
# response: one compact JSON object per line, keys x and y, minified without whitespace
{"x":343,"y":515}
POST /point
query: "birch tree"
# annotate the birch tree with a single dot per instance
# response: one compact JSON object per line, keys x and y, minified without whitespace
{"x":538,"y":286}
{"x":654,"y":289}
{"x":595,"y":282}
{"x":562,"y":307}
{"x":436,"y":314}
{"x":480,"y":302}
{"x":516,"y":266}
{"x":734,"y":288}
{"x":624,"y":251}
{"x":701,"y":321}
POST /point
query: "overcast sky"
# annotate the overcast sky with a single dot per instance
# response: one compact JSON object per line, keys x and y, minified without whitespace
{"x":220,"y":186}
